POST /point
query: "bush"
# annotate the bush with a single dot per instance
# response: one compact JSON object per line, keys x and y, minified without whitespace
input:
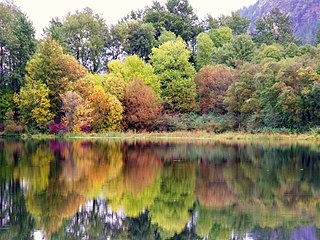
{"x":13,"y":128}
{"x":57,"y":128}
{"x":85,"y":128}
{"x":189,"y":122}
{"x":212,"y":85}
{"x":2,"y":126}
{"x":142,"y":106}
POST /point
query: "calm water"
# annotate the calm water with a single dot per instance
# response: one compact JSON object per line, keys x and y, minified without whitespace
{"x":146,"y":190}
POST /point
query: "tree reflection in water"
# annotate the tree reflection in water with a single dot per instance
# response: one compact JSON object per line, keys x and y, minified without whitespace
{"x":155,"y":190}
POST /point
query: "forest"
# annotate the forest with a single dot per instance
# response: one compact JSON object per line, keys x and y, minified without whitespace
{"x":161,"y":68}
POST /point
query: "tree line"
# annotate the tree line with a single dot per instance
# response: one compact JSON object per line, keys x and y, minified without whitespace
{"x":160,"y":68}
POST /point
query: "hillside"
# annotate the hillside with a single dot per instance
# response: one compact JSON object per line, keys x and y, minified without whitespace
{"x":304,"y":15}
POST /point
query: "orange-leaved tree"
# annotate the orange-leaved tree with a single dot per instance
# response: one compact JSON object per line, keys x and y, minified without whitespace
{"x":142,"y":105}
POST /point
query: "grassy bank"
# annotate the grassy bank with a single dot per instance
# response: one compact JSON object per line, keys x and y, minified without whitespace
{"x":187,"y":135}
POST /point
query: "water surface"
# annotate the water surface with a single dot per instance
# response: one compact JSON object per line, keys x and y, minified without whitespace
{"x":90,"y":189}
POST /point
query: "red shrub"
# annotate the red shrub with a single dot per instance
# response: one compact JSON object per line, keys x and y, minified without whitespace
{"x":212,"y":84}
{"x":57,"y":128}
{"x":142,"y":105}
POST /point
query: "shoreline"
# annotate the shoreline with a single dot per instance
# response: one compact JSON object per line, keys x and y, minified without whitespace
{"x":181,"y":135}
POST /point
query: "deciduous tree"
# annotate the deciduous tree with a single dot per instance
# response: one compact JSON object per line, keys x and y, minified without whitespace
{"x":53,"y":68}
{"x":107,"y":110}
{"x":204,"y":50}
{"x":172,"y":66}
{"x":34,"y":105}
{"x":17,"y":44}
{"x":212,"y":85}
{"x":274,"y":27}
{"x":141,"y":104}
{"x":85,"y":34}
{"x":133,"y":67}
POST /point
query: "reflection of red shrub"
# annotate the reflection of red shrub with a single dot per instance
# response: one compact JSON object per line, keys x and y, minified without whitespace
{"x":212,"y":189}
{"x":142,"y":106}
{"x":58,"y":146}
{"x":86,"y":144}
{"x":142,"y":165}
{"x":56,"y":128}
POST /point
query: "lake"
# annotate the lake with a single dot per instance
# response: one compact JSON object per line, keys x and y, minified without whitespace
{"x":108,"y":189}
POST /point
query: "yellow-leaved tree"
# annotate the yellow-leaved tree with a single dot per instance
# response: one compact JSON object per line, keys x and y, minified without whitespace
{"x":34,"y":105}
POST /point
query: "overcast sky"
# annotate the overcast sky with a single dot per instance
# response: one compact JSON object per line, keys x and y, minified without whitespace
{"x":40,"y":12}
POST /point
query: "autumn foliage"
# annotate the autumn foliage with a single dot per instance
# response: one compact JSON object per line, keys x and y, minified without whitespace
{"x":142,"y":105}
{"x":212,"y":85}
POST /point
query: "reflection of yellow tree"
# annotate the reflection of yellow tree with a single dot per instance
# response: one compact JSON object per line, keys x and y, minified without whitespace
{"x":139,"y":183}
{"x":30,"y":163}
{"x":212,"y":224}
{"x":86,"y":166}
{"x":13,"y":150}
{"x":35,"y":171}
{"x":212,"y":189}
{"x":51,"y":207}
{"x":121,"y":198}
{"x":171,"y":207}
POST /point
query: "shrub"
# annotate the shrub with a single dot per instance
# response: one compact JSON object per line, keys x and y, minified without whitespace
{"x":11,"y":127}
{"x":57,"y":128}
{"x":212,"y":85}
{"x":142,"y":105}
{"x":2,"y":126}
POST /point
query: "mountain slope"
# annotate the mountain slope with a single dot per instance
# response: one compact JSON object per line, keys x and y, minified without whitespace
{"x":304,"y":15}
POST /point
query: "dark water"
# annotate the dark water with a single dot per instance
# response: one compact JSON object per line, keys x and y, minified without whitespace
{"x":145,"y":190}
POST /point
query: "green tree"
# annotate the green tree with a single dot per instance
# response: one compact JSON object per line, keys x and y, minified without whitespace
{"x":220,"y":36}
{"x":204,"y":50}
{"x":177,"y":16}
{"x":166,"y":36}
{"x":172,"y":66}
{"x":55,"y":31}
{"x":53,"y":68}
{"x":238,"y":24}
{"x":315,"y":104}
{"x":34,"y":105}
{"x":274,"y":51}
{"x":134,"y":67}
{"x":275,"y":27}
{"x":6,"y":103}
{"x":17,"y":44}
{"x":86,"y":34}
{"x":171,"y":207}
{"x":139,"y":39}
{"x":318,"y":36}
{"x":114,"y":48}
{"x":292,"y":50}
{"x":240,"y":48}
{"x":241,"y":100}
